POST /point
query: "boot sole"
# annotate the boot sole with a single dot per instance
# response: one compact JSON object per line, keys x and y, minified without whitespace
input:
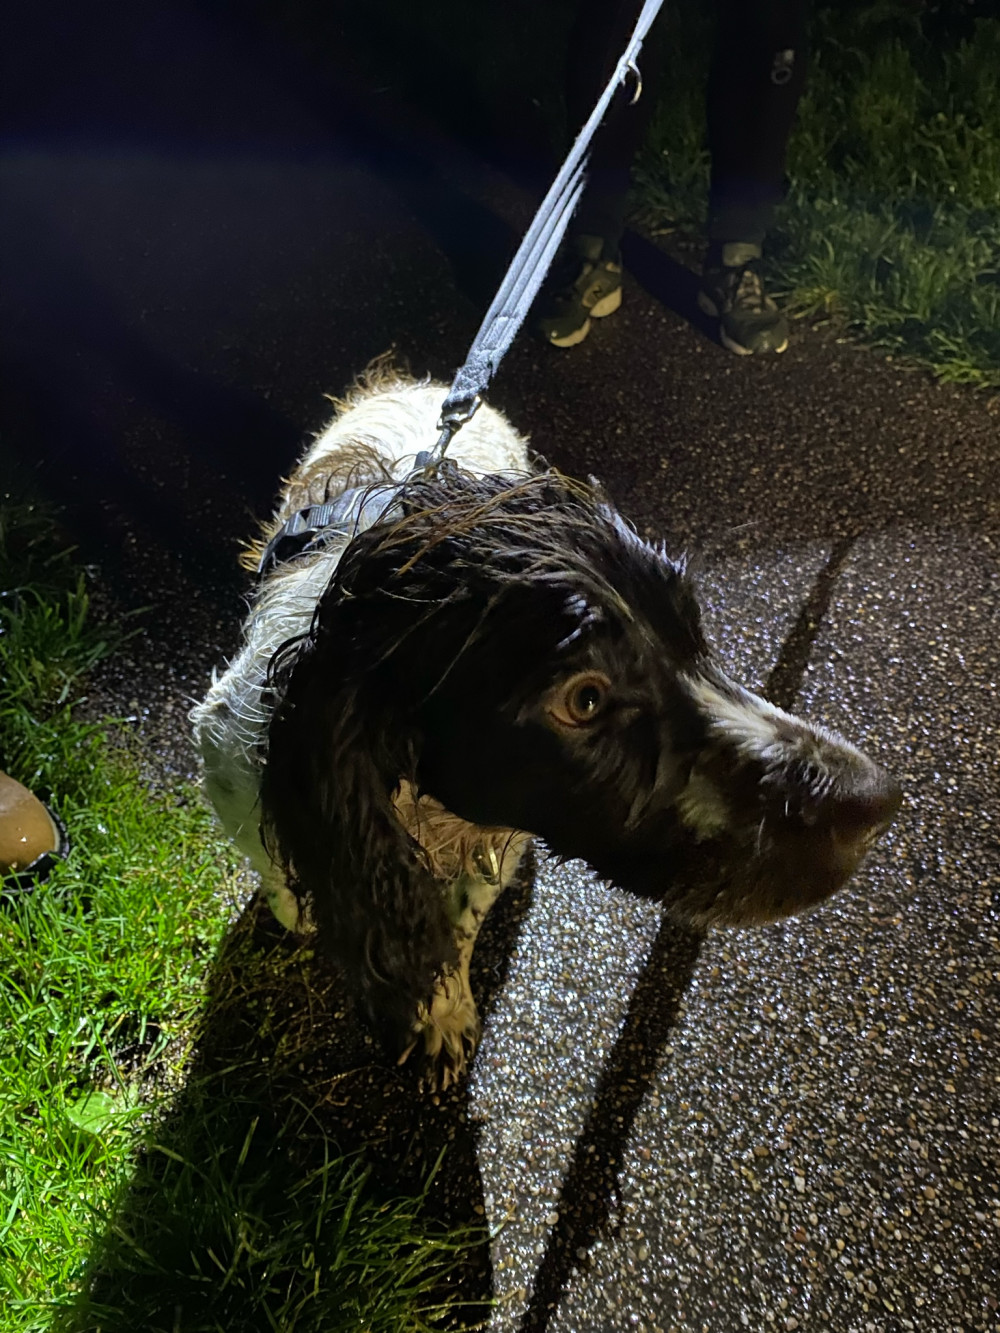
{"x":607,"y":305}
{"x":740,"y":350}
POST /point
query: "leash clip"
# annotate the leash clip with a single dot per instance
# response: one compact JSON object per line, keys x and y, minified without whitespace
{"x":462,"y":411}
{"x":452,"y":419}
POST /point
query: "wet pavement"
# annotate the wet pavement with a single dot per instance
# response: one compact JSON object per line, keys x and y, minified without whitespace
{"x":794,"y":1128}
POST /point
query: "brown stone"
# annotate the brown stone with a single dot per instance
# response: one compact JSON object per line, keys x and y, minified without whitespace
{"x":26,"y":828}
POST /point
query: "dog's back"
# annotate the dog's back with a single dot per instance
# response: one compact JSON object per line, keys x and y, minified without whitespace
{"x":380,"y":427}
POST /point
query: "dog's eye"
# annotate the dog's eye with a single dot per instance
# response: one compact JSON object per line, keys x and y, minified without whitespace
{"x":579,"y":700}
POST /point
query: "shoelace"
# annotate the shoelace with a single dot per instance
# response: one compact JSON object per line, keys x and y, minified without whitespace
{"x":748,"y":290}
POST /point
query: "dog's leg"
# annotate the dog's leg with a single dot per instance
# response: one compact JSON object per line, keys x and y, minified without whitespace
{"x":283,"y":902}
{"x":450,"y":1026}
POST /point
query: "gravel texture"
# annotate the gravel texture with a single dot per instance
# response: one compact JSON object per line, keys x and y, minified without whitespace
{"x":795,"y":1128}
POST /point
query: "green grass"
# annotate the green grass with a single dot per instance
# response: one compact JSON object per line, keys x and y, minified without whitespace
{"x":892,"y":226}
{"x":256,"y":1240}
{"x":142,"y":1185}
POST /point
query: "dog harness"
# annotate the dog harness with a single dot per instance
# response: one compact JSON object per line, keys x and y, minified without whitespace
{"x":313,"y":528}
{"x":354,"y":511}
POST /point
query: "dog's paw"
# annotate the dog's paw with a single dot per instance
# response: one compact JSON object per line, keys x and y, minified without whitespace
{"x":449,"y":1029}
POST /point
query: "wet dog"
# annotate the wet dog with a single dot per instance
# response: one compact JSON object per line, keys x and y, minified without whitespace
{"x":441,"y":662}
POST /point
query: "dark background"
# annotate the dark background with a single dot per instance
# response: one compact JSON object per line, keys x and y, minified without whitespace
{"x":182,"y":185}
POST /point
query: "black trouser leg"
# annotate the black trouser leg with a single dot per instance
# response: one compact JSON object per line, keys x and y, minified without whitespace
{"x":598,"y":38}
{"x":757,"y":77}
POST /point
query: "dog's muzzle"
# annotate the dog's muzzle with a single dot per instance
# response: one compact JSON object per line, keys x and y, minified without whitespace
{"x":782,"y":813}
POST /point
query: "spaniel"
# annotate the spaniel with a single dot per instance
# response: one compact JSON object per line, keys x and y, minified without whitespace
{"x":444,"y":660}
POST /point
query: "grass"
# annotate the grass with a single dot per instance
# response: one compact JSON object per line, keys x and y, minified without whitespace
{"x":141,"y":1184}
{"x":892,"y":225}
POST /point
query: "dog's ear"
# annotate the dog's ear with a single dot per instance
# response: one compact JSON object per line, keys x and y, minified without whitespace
{"x":337,"y":749}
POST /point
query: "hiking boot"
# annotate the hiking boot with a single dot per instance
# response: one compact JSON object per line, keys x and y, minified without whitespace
{"x":733,"y":292}
{"x":585,"y":284}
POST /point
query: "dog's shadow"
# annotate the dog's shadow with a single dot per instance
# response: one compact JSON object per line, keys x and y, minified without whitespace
{"x":283,"y":1080}
{"x":285,"y":1095}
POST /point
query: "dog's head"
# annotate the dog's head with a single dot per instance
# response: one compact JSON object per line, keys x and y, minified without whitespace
{"x":530,"y":662}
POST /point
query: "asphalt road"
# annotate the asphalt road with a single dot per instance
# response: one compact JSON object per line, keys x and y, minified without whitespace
{"x":797,"y":1128}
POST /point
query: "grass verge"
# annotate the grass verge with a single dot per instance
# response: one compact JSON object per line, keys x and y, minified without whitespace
{"x":140,"y":1188}
{"x":892,"y":225}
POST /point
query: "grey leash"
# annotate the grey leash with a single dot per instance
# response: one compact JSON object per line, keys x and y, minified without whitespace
{"x":534,"y":256}
{"x":314,"y":527}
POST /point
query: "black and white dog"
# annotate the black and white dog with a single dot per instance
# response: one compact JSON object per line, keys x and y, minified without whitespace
{"x":475,"y":653}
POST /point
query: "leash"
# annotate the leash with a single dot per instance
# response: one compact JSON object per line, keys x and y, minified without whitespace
{"x":316,"y":526}
{"x":534,"y":256}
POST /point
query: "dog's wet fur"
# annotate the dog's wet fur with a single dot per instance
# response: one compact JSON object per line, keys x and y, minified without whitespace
{"x":501,"y":656}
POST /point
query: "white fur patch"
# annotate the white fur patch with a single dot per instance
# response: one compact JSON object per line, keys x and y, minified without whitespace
{"x":401,"y":421}
{"x":745,"y":721}
{"x":762,"y":731}
{"x":702,"y":807}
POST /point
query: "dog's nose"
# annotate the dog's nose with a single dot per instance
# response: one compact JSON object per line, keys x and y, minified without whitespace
{"x":860,"y":817}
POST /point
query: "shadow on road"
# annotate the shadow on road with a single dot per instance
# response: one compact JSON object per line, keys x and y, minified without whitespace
{"x":785,"y":678}
{"x":591,"y":1180}
{"x":667,"y":281}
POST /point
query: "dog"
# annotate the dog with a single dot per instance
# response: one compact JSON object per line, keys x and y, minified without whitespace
{"x":465,"y":655}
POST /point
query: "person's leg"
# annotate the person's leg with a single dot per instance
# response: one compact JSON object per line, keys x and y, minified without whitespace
{"x":757,"y":77}
{"x":599,"y":36}
{"x":586,"y":279}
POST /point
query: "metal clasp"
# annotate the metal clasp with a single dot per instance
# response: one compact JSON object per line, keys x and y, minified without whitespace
{"x":633,"y":68}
